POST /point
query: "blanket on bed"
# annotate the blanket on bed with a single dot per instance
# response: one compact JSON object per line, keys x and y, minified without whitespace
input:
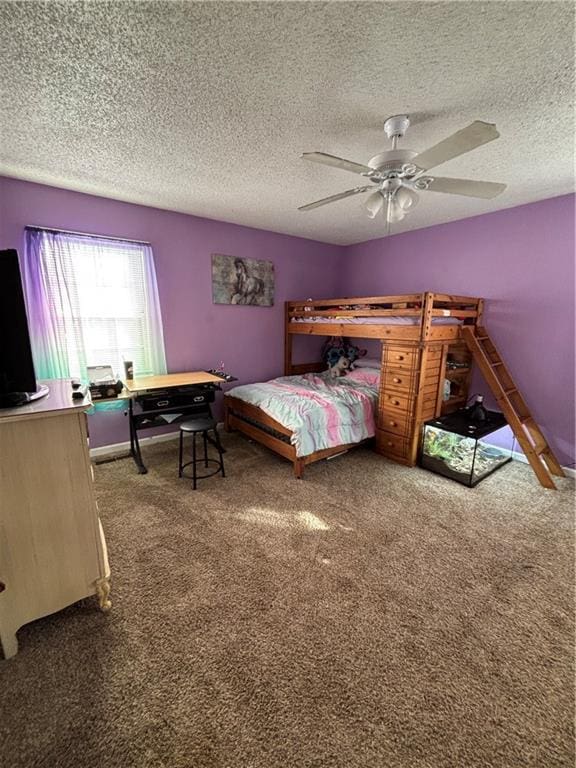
{"x":321,"y":413}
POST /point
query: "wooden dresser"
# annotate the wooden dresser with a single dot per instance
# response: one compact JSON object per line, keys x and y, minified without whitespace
{"x":411,"y":392}
{"x":52,"y":547}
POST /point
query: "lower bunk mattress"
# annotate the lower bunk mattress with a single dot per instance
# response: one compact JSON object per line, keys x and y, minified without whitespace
{"x":321,"y":412}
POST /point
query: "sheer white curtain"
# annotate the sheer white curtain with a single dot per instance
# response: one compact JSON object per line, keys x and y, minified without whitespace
{"x":91,"y":301}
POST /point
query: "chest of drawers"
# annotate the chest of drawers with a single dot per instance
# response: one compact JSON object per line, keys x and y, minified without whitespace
{"x":410,"y":389}
{"x":52,"y":547}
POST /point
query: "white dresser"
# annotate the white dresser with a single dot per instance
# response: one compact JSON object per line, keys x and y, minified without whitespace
{"x":52,"y":547}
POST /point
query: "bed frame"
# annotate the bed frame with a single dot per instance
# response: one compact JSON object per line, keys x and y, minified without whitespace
{"x":257,"y":425}
{"x":413,"y":368}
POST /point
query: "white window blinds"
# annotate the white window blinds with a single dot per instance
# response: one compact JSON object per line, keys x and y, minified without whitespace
{"x":100,"y":304}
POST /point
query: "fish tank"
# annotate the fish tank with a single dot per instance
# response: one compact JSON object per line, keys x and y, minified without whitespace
{"x":465,"y":450}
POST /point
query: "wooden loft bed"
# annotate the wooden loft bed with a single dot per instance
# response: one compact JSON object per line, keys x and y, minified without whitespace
{"x":414,"y":357}
{"x":416,"y":360}
{"x":413,"y":367}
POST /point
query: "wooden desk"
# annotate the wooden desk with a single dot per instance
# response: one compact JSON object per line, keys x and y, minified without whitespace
{"x":170,"y":380}
{"x":180,"y":395}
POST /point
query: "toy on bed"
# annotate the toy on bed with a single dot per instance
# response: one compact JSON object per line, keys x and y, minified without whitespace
{"x":339,"y":368}
{"x":339,"y":355}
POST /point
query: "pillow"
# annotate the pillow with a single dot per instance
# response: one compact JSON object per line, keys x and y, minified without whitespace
{"x":368,"y":376}
{"x":368,"y":362}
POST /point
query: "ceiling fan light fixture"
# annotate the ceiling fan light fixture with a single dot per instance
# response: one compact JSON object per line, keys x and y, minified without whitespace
{"x":406,"y":198}
{"x":394,"y":211}
{"x":374,"y":204}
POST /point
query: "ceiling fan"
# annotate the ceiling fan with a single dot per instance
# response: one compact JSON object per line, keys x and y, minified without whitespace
{"x":397,"y":175}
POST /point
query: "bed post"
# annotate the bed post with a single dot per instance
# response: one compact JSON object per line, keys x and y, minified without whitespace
{"x":298,"y":468}
{"x":287,"y":341}
{"x":480,"y":310}
{"x":227,"y":427}
{"x":427,"y":307}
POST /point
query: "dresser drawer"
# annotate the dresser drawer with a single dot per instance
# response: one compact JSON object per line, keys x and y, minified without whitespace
{"x":400,"y":358}
{"x":399,"y":381}
{"x":398,"y":423}
{"x":391,"y":445}
{"x":392,"y":402}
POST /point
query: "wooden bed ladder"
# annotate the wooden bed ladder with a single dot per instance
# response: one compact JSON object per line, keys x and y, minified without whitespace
{"x":527,"y":432}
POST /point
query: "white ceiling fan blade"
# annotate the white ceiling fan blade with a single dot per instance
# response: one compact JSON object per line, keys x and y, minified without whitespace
{"x":476,"y":134}
{"x":468,"y":187}
{"x":336,"y":162}
{"x":333,"y":198}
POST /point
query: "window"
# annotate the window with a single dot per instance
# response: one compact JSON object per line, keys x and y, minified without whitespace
{"x":91,"y":301}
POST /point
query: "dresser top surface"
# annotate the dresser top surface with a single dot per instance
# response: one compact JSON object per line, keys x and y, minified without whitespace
{"x":57,"y":401}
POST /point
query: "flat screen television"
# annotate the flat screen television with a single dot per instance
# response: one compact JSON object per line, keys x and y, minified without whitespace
{"x":17,"y":375}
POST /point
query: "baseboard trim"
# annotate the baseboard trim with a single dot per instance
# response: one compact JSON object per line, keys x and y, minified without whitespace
{"x":119,"y":449}
{"x":517,"y":456}
{"x":107,"y":451}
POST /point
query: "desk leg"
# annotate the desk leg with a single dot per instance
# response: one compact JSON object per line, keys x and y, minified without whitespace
{"x":134,"y":444}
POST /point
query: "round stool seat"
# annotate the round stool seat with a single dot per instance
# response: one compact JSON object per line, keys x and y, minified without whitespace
{"x":198,"y":425}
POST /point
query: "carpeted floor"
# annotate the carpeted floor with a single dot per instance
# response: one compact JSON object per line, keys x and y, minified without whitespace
{"x":369,"y":616}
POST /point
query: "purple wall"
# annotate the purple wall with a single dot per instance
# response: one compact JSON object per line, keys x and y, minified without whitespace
{"x":521,"y":260}
{"x":198,"y":334}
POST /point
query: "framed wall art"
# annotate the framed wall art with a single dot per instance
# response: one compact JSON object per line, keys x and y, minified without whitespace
{"x":242,"y":281}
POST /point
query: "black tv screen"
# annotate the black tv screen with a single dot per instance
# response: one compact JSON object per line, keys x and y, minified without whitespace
{"x":16,"y":365}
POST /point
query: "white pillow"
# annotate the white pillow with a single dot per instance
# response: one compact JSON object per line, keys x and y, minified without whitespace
{"x":368,"y":362}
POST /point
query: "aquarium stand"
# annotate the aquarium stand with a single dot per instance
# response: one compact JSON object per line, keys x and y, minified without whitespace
{"x":466,"y":451}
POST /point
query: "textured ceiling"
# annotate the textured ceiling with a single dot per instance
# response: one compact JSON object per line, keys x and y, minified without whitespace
{"x":206,"y":107}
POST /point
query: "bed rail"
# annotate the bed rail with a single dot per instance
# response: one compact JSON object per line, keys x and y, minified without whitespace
{"x":411,"y":304}
{"x":356,"y":306}
{"x":302,"y":317}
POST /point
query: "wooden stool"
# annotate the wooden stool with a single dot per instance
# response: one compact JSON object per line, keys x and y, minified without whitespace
{"x":202,"y":425}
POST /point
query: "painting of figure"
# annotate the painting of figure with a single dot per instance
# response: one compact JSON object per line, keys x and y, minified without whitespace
{"x":242,"y":281}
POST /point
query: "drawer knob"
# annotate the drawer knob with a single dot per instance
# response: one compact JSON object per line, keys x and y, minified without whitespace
{"x":389,"y":443}
{"x":396,"y":402}
{"x":393,"y":423}
{"x":399,"y":357}
{"x":397,"y":381}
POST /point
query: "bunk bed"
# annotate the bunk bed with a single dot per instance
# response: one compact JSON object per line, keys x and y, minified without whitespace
{"x":421,"y":342}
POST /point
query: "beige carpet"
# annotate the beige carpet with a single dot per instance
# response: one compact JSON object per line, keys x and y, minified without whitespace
{"x":369,"y":616}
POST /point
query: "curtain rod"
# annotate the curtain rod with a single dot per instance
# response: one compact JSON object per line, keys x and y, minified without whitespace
{"x":86,"y":234}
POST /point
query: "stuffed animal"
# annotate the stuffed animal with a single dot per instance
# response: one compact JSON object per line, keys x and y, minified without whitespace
{"x":337,"y":347}
{"x":339,"y":368}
